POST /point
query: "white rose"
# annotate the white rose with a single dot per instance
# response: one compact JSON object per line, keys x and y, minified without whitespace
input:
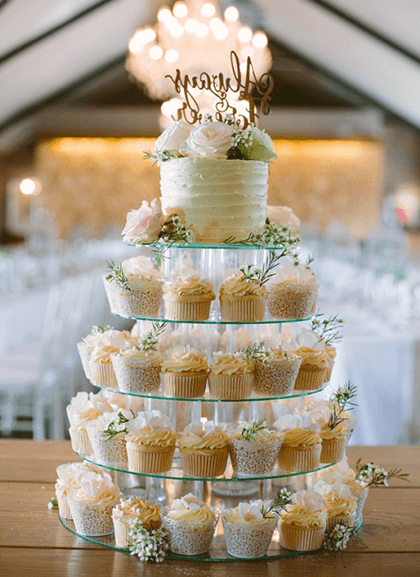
{"x":144,"y":225}
{"x":210,"y":140}
{"x":262,"y":147}
{"x":284,"y":216}
{"x":311,"y":500}
{"x":172,"y":138}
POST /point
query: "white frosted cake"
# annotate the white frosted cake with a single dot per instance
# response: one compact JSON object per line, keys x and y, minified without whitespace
{"x":218,"y":197}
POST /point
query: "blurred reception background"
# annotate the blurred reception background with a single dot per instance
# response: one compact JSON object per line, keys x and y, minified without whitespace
{"x":83,"y":95}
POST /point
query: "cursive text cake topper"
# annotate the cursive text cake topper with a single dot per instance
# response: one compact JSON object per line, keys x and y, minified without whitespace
{"x":242,"y":83}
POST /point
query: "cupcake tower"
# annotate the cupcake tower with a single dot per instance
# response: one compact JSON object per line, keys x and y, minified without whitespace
{"x":183,"y":397}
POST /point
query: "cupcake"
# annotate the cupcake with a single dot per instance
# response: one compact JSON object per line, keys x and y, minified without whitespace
{"x":190,"y":525}
{"x":231,"y":376}
{"x":133,"y":295}
{"x":302,"y":525}
{"x":301,"y":448}
{"x":137,"y":371}
{"x":242,"y":300}
{"x":101,"y":369}
{"x":341,"y":504}
{"x":83,"y":409}
{"x":204,"y":450}
{"x":184,"y":373}
{"x":132,"y":509}
{"x":254,"y":449}
{"x":331,"y":354}
{"x":68,"y":481}
{"x":151,"y":445}
{"x":91,"y":505}
{"x":86,"y":346}
{"x":188,"y":298}
{"x":247,"y":531}
{"x":276,"y":373}
{"x":107,"y":436}
{"x":314,"y":364}
{"x":333,"y":434}
{"x":292,"y":292}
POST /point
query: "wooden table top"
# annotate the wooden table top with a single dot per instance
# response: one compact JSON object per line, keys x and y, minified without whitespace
{"x":34,"y":543}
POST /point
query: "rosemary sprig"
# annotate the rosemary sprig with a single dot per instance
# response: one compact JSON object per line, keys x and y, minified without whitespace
{"x":115,"y":428}
{"x":104,"y":328}
{"x":339,"y":536}
{"x":158,"y":156}
{"x":258,"y":352}
{"x":249,"y":430}
{"x":309,"y":260}
{"x":327,"y":328}
{"x":272,"y":235}
{"x":342,"y":398}
{"x":151,"y":339}
{"x":283,"y":498}
{"x":251,"y":272}
{"x":117,"y":275}
{"x":372,"y":475}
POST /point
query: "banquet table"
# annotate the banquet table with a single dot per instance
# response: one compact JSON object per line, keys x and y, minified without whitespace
{"x":33,"y":542}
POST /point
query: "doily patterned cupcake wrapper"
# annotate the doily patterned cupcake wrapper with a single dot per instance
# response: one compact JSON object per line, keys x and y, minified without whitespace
{"x":189,"y":538}
{"x":230,"y":386}
{"x":295,"y":460}
{"x":247,"y":541}
{"x":243,"y":311}
{"x":301,"y":538}
{"x":149,"y":462}
{"x":291,"y":301}
{"x":108,"y":452}
{"x":93,"y":519}
{"x":135,"y":376}
{"x":137,"y":303}
{"x":277,"y":378}
{"x":254,"y":459}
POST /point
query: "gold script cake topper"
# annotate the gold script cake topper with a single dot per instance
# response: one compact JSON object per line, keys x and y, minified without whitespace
{"x":242,"y":83}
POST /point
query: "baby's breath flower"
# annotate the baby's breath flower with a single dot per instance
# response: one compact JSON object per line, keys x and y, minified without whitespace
{"x":148,"y":546}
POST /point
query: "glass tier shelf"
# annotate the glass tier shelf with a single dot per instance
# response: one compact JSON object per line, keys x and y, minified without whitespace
{"x":159,"y":395}
{"x":215,"y":246}
{"x":176,"y":473}
{"x":214,"y":321}
{"x":217,"y":551}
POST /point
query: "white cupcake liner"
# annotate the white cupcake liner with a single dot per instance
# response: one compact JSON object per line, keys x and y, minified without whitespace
{"x":85,"y":358}
{"x":245,"y":540}
{"x":103,"y":374}
{"x":243,"y":310}
{"x":151,"y":462}
{"x":184,"y":385}
{"x":63,"y":506}
{"x":296,"y":460}
{"x":204,"y":465}
{"x":136,"y":375}
{"x":137,"y":303}
{"x":189,"y":538}
{"x":296,"y":538}
{"x":253,"y":459}
{"x":333,"y":450}
{"x":329,"y":371}
{"x":187,"y":311}
{"x":93,"y":519}
{"x":276,"y":378}
{"x":122,"y":534}
{"x":80,"y":440}
{"x":108,"y":452}
{"x":310,"y":378}
{"x":291,"y":301}
{"x":232,"y":387}
{"x":345,"y":519}
{"x":361,"y":500}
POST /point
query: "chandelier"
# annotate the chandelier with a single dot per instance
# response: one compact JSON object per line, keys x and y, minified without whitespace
{"x":193,"y":36}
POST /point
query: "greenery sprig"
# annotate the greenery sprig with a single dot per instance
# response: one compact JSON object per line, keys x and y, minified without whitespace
{"x":327,"y":328}
{"x":103,"y":328}
{"x":370,"y":474}
{"x":115,"y":428}
{"x":342,"y":398}
{"x":151,"y":338}
{"x":263,"y":275}
{"x":258,"y":352}
{"x":249,"y":430}
{"x":159,"y":156}
{"x":52,"y":503}
{"x":283,"y":498}
{"x":148,"y":545}
{"x":272,"y":235}
{"x":117,"y":275}
{"x":173,"y":231}
{"x":339,"y":536}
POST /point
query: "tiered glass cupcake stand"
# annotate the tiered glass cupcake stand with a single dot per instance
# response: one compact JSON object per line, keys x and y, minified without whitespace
{"x":214,"y":262}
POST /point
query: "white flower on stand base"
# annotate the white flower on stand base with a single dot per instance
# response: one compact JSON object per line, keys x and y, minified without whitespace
{"x":172,"y":138}
{"x":209,"y":140}
{"x":144,"y":225}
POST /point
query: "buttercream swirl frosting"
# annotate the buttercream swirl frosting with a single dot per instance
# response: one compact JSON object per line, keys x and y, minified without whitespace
{"x":231,"y":364}
{"x":96,"y":488}
{"x":184,"y":359}
{"x":299,"y":430}
{"x":143,"y":283}
{"x":261,"y":435}
{"x":290,"y":274}
{"x":188,"y":509}
{"x":202,"y":435}
{"x":307,"y":345}
{"x":135,"y":508}
{"x":236,"y":286}
{"x":137,"y":354}
{"x":339,"y":499}
{"x":184,"y":286}
{"x":249,"y":513}
{"x":151,"y":429}
{"x":307,"y":510}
